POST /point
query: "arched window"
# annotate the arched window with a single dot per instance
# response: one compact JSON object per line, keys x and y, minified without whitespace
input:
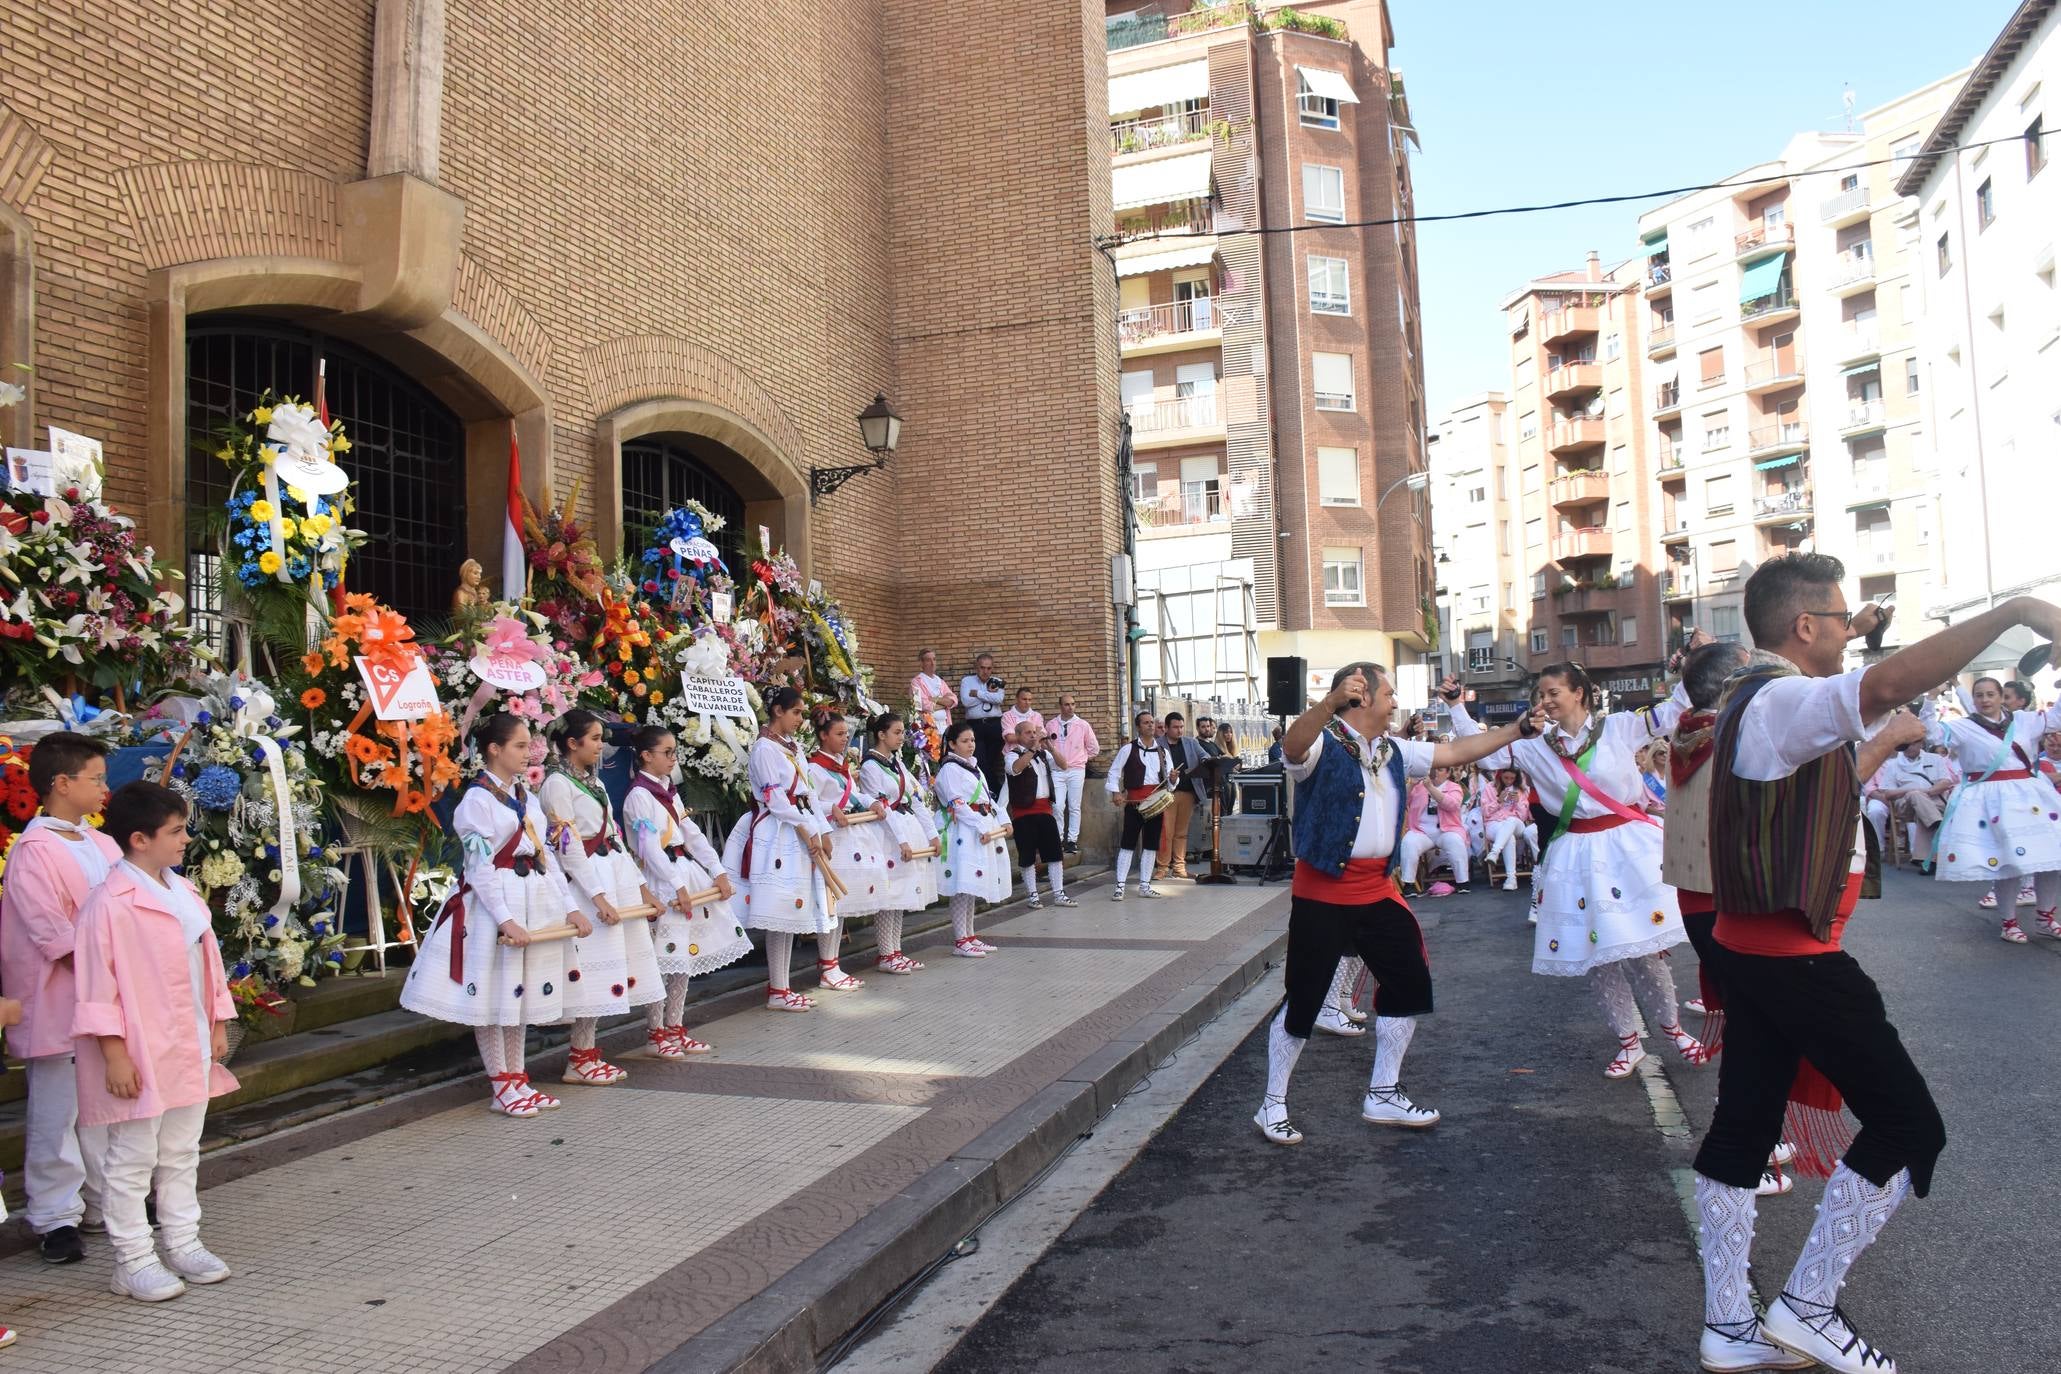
{"x":407,"y":456}
{"x":662,"y":470}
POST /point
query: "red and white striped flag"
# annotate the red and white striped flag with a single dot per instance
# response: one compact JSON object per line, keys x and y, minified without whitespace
{"x":513,"y":564}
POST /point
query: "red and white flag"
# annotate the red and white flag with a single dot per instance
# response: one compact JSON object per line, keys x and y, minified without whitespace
{"x":514,"y":565}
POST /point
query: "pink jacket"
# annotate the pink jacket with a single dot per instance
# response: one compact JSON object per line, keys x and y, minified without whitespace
{"x":1494,"y":808}
{"x":38,"y":921}
{"x":133,"y":982}
{"x":1012,"y":718}
{"x":1448,"y":804}
{"x":1075,"y":744}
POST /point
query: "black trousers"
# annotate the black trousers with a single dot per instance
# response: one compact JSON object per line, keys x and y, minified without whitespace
{"x":1547,"y":820}
{"x":987,"y":751}
{"x":1140,"y":833}
{"x":1383,"y":933}
{"x":1037,"y":840}
{"x":1779,"y":1010}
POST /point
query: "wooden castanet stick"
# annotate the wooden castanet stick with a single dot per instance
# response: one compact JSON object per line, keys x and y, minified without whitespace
{"x":831,"y":884}
{"x":562,"y":931}
{"x":989,"y":837}
{"x":714,"y":894}
{"x":927,"y":852}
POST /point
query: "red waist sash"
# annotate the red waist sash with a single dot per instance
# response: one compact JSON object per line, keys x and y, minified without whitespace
{"x":2011,"y":775}
{"x":1138,"y":794}
{"x":1041,"y":807}
{"x":1589,"y":825}
{"x":1363,"y":881}
{"x":1785,"y":934}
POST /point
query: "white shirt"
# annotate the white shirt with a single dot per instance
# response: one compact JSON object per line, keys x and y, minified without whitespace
{"x":1151,"y":758}
{"x":1921,"y":774}
{"x":1376,"y":836}
{"x":1040,"y":770}
{"x":1614,"y":769}
{"x":1976,"y":750}
{"x":1794,"y":720}
{"x":90,"y":858}
{"x":978,"y":702}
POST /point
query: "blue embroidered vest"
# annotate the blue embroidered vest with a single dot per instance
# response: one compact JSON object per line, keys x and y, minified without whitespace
{"x":1328,"y":803}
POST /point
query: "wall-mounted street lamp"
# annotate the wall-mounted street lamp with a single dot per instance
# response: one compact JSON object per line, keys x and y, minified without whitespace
{"x":881,"y":430}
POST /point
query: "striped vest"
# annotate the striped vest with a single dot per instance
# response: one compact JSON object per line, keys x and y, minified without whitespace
{"x":1685,"y":840}
{"x":1785,"y":845}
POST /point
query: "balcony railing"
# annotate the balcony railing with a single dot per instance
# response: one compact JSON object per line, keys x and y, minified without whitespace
{"x":1788,"y":501}
{"x":1771,"y":370}
{"x":1677,"y":586}
{"x":1667,"y":458}
{"x":1178,"y":317}
{"x":1851,"y":268}
{"x":1578,"y":374}
{"x":1585,"y":432}
{"x":1763,"y":237}
{"x":1591,"y":541}
{"x":1667,"y":397}
{"x":1660,"y":337}
{"x":1843,"y":204}
{"x":1139,"y":135}
{"x":1182,"y":508}
{"x":1789,"y":434}
{"x":1574,"y":488}
{"x":1559,"y":324}
{"x":1779,"y":303}
{"x":1864,"y":415}
{"x":1151,"y":26}
{"x":1874,"y":553}
{"x":1659,"y":274}
{"x":1182,"y":412}
{"x":1863,"y":342}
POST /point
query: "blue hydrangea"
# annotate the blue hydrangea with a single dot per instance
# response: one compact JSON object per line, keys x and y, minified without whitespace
{"x":217,"y":787}
{"x":679,"y":523}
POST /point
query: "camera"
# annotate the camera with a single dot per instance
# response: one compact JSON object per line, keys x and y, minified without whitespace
{"x":995,"y":684}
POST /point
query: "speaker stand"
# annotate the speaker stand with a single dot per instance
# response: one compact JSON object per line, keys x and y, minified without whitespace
{"x":1216,"y":872}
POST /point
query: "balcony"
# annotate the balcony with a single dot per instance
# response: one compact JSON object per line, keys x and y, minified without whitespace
{"x":1873,"y":553}
{"x":1572,"y":436}
{"x":1862,"y":416}
{"x":1677,"y":586}
{"x":1182,"y":510}
{"x":1151,"y":26}
{"x":1859,"y":344}
{"x":1770,"y":309}
{"x":1667,"y":460}
{"x":1590,"y":541}
{"x":1567,"y":322}
{"x":1762,"y":240}
{"x":1789,"y":436}
{"x":1180,"y":420}
{"x":1589,"y":599}
{"x":1853,"y":271}
{"x":1677,"y":533}
{"x":1787,"y":504}
{"x":1571,"y":379}
{"x":1178,"y":324}
{"x":1848,"y":207}
{"x":1667,"y":399}
{"x":1772,"y":371}
{"x":1660,"y":341}
{"x":1582,"y":488}
{"x":1660,"y":279}
{"x":1143,"y":135}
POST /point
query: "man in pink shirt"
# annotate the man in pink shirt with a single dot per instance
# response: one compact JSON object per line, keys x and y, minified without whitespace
{"x":932,"y":697}
{"x":1019,"y":713}
{"x":1072,"y":742}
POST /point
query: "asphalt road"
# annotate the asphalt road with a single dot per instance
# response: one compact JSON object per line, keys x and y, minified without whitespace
{"x":1540,"y":1227}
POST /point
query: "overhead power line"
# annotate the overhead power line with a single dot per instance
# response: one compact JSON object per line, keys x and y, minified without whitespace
{"x":1666,"y":193}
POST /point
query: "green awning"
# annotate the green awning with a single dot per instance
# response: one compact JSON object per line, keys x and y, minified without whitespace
{"x":1873,"y":365}
{"x":1785,"y":461}
{"x":1655,"y":248}
{"x":1764,"y":278}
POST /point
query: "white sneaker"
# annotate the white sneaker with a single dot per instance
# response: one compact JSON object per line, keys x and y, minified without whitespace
{"x":1354,"y":1014}
{"x":1116,"y":894}
{"x":146,"y":1281}
{"x":1510,"y":883}
{"x":1784,"y":1154}
{"x":1147,"y":891}
{"x":1822,"y":1334}
{"x":1729,"y":1354}
{"x":196,"y":1265}
{"x":1773,"y":1184}
{"x":1388,"y":1107}
{"x":1332,"y":1021}
{"x":1273,"y":1124}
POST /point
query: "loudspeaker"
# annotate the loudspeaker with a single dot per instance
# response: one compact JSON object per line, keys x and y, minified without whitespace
{"x":1285,"y":694}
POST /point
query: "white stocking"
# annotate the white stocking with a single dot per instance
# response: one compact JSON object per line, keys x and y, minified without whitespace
{"x":492,"y":1055}
{"x":2047,"y":888}
{"x":1342,"y":982}
{"x":1030,"y":879}
{"x":887,"y":932}
{"x":1055,"y":874}
{"x":654,"y":1015}
{"x":583,"y":1028}
{"x":1653,"y":974}
{"x":512,"y":1038}
{"x":779,"y":954}
{"x":828,"y":943}
{"x":1614,"y":992}
{"x":1851,"y":1216}
{"x":1726,"y":1216}
{"x":962,"y":916}
{"x":1123,"y":866}
{"x":676,"y":998}
{"x":1392,"y":1036}
{"x":1147,"y":858}
{"x":1283,"y":1050}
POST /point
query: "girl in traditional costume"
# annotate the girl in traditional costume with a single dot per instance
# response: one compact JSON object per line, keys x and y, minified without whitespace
{"x":911,"y":875}
{"x":975,"y":862}
{"x":778,"y":854}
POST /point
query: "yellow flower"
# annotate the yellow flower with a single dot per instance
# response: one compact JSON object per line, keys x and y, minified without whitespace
{"x":315,"y":526}
{"x":285,"y":528}
{"x":268,"y":562}
{"x":339,"y":445}
{"x":656,"y":697}
{"x":297,"y":494}
{"x":629,"y":675}
{"x":261,"y":511}
{"x":225,"y":453}
{"x":261,"y":416}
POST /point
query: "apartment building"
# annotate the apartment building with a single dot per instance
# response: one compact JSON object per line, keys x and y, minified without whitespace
{"x":1985,"y":225}
{"x":1476,"y":522}
{"x":1273,"y":382}
{"x":1583,"y":498}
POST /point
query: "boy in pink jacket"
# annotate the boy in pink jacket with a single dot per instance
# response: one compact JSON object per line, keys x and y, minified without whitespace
{"x":152,"y":1000}
{"x":54,"y":866}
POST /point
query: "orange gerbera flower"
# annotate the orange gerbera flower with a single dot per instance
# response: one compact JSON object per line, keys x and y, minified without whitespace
{"x":414,"y":802}
{"x":366,"y":749}
{"x":435,"y":731}
{"x":313,"y":698}
{"x":313,"y":662}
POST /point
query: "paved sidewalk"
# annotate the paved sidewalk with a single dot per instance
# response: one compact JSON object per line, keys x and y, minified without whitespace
{"x":644,"y":1225}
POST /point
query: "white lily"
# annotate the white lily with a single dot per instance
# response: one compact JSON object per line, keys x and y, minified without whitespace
{"x":11,"y":395}
{"x":96,"y":599}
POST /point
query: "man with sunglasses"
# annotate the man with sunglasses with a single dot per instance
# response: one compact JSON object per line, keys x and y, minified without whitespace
{"x":1787,"y":853}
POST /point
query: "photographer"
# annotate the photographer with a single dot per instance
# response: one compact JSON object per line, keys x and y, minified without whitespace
{"x":980,"y":693}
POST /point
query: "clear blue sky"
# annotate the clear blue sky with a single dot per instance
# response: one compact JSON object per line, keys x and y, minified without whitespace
{"x":1521,"y":103}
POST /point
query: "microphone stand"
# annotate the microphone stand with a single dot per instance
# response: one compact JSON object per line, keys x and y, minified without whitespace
{"x":1213,"y":769}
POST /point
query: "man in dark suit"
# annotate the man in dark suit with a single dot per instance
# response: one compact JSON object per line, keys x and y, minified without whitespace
{"x":1187,"y":754}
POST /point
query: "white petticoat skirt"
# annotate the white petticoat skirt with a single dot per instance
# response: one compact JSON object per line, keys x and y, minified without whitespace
{"x":711,"y":938}
{"x":1599,"y":899}
{"x":2000,"y":830}
{"x":858,"y":856}
{"x":911,"y":883}
{"x":970,"y":865}
{"x":502,"y":985}
{"x":783,"y":891}
{"x":613,"y":969}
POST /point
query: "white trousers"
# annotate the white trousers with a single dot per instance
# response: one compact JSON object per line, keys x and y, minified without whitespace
{"x":1450,"y":843}
{"x":1066,"y":801}
{"x":60,"y":1159}
{"x":1504,"y":836}
{"x":161,"y":1154}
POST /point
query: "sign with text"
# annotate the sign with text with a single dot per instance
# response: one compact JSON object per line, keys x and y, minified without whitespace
{"x":722,"y":605}
{"x":506,"y":673}
{"x":716,"y":696}
{"x":399,"y":696}
{"x":78,"y":456}
{"x":317,"y":478}
{"x":32,"y":470}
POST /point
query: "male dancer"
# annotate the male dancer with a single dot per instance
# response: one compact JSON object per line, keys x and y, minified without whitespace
{"x":1350,"y":783}
{"x":1787,"y":863}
